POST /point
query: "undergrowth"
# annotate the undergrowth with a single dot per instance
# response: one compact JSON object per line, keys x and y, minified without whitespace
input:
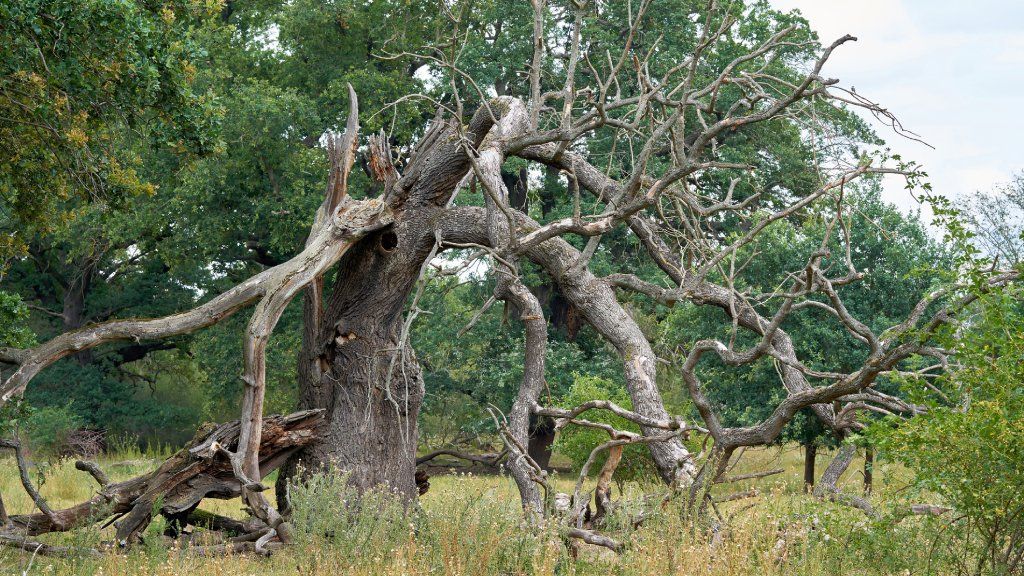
{"x":472,"y":525}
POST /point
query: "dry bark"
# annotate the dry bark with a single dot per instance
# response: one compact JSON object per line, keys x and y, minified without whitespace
{"x":828,"y":485}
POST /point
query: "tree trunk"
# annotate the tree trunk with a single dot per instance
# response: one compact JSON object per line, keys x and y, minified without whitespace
{"x":353,"y":365}
{"x":542,"y":436}
{"x":869,"y":464}
{"x":355,"y":361}
{"x":73,"y":304}
{"x":810,"y":454}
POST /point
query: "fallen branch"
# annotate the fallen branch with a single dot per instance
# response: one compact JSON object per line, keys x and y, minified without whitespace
{"x":231,"y":548}
{"x":486,"y":459}
{"x":26,"y":483}
{"x":828,"y":489}
{"x":928,"y":510}
{"x":22,"y":543}
{"x":94,"y":470}
{"x":178,"y":486}
{"x":751,"y":476}
{"x":752,"y":493}
{"x":595,"y":539}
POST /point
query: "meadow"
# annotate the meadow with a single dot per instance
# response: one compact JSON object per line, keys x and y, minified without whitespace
{"x":470,"y":524}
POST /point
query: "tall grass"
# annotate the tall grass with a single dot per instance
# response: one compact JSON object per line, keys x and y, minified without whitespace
{"x":472,"y":525}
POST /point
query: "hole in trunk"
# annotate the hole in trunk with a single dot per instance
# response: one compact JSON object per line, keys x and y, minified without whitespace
{"x":388,"y":242}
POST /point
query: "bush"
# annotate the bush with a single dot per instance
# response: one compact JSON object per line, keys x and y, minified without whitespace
{"x":576,"y":443}
{"x":971,"y":452}
{"x":47,"y":429}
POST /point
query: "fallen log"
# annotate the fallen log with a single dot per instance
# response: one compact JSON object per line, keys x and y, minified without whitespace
{"x":199,"y":470}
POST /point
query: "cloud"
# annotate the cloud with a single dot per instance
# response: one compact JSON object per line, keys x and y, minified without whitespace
{"x":951,"y":71}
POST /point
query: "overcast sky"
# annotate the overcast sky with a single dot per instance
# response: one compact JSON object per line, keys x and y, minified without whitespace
{"x":951,"y":70}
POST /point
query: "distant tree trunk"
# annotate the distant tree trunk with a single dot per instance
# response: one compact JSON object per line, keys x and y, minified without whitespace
{"x":73,"y":311}
{"x":810,"y":455}
{"x":517,"y":188}
{"x":542,"y":436}
{"x":869,"y":464}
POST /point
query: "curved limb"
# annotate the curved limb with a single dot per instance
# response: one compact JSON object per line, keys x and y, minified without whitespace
{"x":597,"y":302}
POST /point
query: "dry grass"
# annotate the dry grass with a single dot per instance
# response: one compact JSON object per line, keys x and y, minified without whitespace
{"x":471,"y":526}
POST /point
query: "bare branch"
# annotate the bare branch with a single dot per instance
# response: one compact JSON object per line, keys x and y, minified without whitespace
{"x":26,"y":483}
{"x":94,"y":470}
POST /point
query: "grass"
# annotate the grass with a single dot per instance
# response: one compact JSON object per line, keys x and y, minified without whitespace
{"x":471,"y":525}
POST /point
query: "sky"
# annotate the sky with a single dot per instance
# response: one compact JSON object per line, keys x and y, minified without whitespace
{"x":952,"y":71}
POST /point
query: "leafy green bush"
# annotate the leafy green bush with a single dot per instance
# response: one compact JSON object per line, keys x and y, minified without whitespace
{"x":13,"y":316}
{"x":576,"y":442}
{"x":970,"y":449}
{"x":46,"y":429}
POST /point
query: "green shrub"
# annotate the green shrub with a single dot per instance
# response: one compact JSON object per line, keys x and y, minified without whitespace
{"x":576,"y":442}
{"x":46,"y":429}
{"x":970,"y":450}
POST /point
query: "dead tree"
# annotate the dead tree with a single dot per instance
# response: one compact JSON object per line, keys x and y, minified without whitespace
{"x":356,"y":363}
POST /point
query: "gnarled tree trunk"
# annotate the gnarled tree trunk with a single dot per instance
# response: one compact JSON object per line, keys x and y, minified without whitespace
{"x":358,"y":369}
{"x":356,"y":362}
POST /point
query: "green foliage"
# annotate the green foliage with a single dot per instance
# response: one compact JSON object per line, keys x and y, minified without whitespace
{"x":215,"y":128}
{"x":464,"y":374}
{"x":46,"y":428}
{"x":79,"y":80}
{"x":161,"y":399}
{"x":577,"y":442}
{"x":217,"y":361}
{"x":13,"y":317}
{"x":970,"y":453}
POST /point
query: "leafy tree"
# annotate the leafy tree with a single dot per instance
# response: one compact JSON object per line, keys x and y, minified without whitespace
{"x":13,"y":314}
{"x":996,"y":218}
{"x":219,"y":207}
{"x":80,"y":82}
